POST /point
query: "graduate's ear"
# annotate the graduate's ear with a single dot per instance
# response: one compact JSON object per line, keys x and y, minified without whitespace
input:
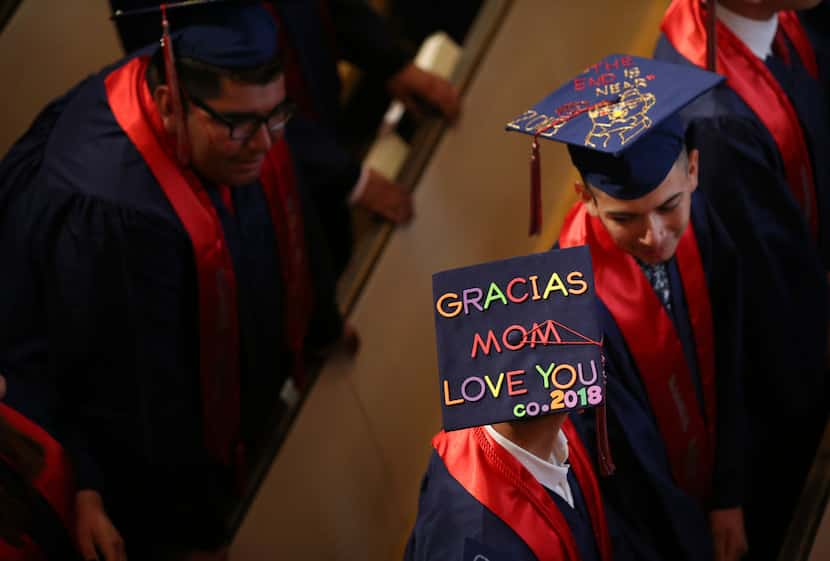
{"x":692,"y":167}
{"x":164,"y":102}
{"x":587,"y":198}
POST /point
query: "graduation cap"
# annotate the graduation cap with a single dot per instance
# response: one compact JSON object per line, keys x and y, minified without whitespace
{"x":221,"y":33}
{"x":620,"y":121}
{"x":519,"y":338}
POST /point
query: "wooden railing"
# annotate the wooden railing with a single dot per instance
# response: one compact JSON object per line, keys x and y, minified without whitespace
{"x":812,"y":505}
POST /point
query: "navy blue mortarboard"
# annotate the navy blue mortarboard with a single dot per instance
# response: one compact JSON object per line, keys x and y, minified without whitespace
{"x":620,"y":121}
{"x":519,"y":338}
{"x":227,"y":34}
{"x":512,"y":316}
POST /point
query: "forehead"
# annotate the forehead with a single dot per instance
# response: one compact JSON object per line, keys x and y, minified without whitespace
{"x":242,"y":97}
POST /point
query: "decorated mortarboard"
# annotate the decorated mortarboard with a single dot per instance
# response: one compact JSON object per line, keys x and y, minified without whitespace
{"x":518,"y":339}
{"x":620,"y":121}
{"x":222,"y":33}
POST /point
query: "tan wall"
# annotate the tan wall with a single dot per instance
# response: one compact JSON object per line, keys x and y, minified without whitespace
{"x":47,"y":47}
{"x":345,"y":485}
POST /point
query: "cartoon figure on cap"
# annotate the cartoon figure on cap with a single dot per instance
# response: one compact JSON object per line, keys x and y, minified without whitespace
{"x":626,"y":118}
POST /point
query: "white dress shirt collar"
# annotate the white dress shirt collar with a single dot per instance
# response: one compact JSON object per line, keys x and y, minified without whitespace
{"x":552,"y":473}
{"x":756,"y":34}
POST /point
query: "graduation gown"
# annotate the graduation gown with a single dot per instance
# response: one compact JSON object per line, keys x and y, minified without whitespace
{"x":785,"y":259}
{"x":477,"y":499}
{"x":105,"y":313}
{"x":43,"y":507}
{"x":675,"y":420}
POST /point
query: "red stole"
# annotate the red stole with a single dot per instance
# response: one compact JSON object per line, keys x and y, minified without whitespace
{"x":280,"y":186}
{"x":684,"y":26}
{"x":134,"y":110}
{"x":655,"y":346}
{"x":55,"y":482}
{"x":498,"y":481}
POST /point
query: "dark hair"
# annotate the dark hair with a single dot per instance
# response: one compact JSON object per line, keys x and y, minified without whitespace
{"x":204,"y":81}
{"x":682,"y":159}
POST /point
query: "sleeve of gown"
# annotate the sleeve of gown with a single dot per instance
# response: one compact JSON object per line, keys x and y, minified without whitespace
{"x":722,"y":260}
{"x":364,"y":38}
{"x":33,"y":222}
{"x":77,"y":245}
{"x":628,"y":494}
{"x":437,"y":534}
{"x":626,"y":545}
{"x":767,"y":228}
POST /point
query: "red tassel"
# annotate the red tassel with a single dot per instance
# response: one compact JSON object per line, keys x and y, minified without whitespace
{"x":182,"y":148}
{"x":535,"y":189}
{"x":536,"y":161}
{"x":711,"y":36}
{"x":606,"y":462}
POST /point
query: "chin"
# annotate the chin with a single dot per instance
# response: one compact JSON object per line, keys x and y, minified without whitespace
{"x":655,"y":258}
{"x":239,"y":179}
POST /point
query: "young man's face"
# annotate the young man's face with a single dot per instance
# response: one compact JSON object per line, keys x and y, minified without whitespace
{"x":215,"y":154}
{"x":649,"y":228}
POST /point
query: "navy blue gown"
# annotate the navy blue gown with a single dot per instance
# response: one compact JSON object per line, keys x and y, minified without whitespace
{"x":453,"y":524}
{"x":99,"y":342}
{"x":642,"y":490}
{"x":785,"y":288}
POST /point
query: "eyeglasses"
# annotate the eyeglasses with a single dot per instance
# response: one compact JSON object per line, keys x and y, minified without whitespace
{"x":243,"y":128}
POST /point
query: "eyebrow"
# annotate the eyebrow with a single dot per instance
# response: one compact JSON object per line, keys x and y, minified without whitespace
{"x":621,"y":214}
{"x":670,"y":200}
{"x":626,"y":214}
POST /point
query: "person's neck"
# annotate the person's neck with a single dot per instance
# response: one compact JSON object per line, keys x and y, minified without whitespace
{"x":758,"y":12}
{"x":537,"y":436}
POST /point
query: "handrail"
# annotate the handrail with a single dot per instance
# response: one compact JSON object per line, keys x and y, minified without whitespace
{"x":370,"y":247}
{"x":811,"y":506}
{"x":7,"y":11}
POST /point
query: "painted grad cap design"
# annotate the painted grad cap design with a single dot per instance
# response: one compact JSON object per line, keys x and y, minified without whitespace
{"x":518,"y":339}
{"x":620,"y":121}
{"x":226,"y":34}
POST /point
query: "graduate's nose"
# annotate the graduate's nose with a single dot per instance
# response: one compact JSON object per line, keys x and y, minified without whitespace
{"x":654,"y":234}
{"x":261,"y":140}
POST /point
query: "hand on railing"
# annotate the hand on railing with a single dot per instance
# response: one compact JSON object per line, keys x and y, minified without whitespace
{"x":420,"y":90}
{"x":350,"y":341}
{"x":386,"y":198}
